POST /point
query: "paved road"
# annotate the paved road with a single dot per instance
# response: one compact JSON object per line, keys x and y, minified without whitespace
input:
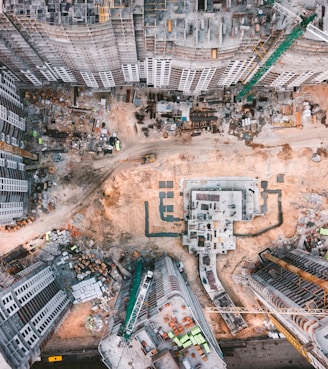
{"x":257,"y":354}
{"x":265,"y":354}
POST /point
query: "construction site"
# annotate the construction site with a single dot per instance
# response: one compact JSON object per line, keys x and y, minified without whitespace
{"x":96,"y":208}
{"x":163,"y":179}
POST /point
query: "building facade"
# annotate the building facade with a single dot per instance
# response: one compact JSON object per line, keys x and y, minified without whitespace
{"x":13,"y":182}
{"x":192,"y":47}
{"x":30,"y":309}
{"x":277,"y":286}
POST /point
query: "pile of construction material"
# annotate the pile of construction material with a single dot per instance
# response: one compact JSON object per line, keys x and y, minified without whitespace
{"x":102,"y":304}
{"x":54,"y":240}
{"x":6,"y":280}
{"x":87,"y":264}
{"x":94,"y":323}
{"x":87,"y":290}
{"x":19,"y":224}
{"x":59,"y":237}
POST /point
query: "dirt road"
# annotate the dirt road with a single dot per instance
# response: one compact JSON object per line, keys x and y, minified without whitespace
{"x":170,"y":153}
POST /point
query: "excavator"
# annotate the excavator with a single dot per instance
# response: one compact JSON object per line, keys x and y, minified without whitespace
{"x":145,"y":159}
{"x":148,"y":158}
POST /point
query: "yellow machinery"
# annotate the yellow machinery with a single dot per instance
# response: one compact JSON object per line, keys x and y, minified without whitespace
{"x":148,"y":158}
{"x":53,"y":359}
{"x":290,"y":338}
{"x":302,"y":349}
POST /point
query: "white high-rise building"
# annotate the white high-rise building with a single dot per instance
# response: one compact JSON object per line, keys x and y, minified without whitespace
{"x":191,"y":46}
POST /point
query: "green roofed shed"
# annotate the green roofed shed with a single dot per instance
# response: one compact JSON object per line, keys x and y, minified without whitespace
{"x":170,"y":334}
{"x":206,"y":348}
{"x":195,"y":331}
{"x":324,"y":231}
{"x":184,"y":338}
{"x":200,"y":338}
{"x":187,"y":344}
{"x":177,"y":341}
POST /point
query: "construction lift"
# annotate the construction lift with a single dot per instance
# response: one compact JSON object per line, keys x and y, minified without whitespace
{"x":304,"y":23}
{"x":104,"y":11}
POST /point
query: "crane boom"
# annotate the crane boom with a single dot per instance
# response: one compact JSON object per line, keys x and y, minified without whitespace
{"x":322,"y":35}
{"x":285,"y":311}
{"x":317,"y":32}
{"x":284,"y":46}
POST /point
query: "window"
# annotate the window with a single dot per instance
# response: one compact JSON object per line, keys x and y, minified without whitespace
{"x":31,"y":77}
{"x":130,"y":72}
{"x":186,"y":79}
{"x":107,"y":79}
{"x":46,"y":73}
{"x":89,"y":79}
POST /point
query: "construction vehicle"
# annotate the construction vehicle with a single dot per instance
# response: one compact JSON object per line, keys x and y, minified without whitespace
{"x":145,"y":159}
{"x":148,"y":158}
{"x":53,"y":359}
{"x":296,"y":32}
{"x":284,"y":124}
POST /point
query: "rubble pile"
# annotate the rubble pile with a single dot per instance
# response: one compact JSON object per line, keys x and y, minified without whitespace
{"x":94,"y":323}
{"x":54,"y":241}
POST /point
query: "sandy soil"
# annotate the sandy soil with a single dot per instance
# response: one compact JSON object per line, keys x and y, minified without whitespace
{"x":74,"y":332}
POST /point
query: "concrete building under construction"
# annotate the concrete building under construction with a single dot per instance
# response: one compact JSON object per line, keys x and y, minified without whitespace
{"x":296,"y":280}
{"x":189,"y":46}
{"x":30,"y":310}
{"x":211,"y":206}
{"x":210,"y":209}
{"x":161,"y":326}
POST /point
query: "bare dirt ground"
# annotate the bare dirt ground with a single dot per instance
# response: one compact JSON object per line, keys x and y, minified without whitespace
{"x":74,"y":332}
{"x":109,"y":196}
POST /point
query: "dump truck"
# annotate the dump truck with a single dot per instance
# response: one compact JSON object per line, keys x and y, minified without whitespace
{"x":148,"y":158}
